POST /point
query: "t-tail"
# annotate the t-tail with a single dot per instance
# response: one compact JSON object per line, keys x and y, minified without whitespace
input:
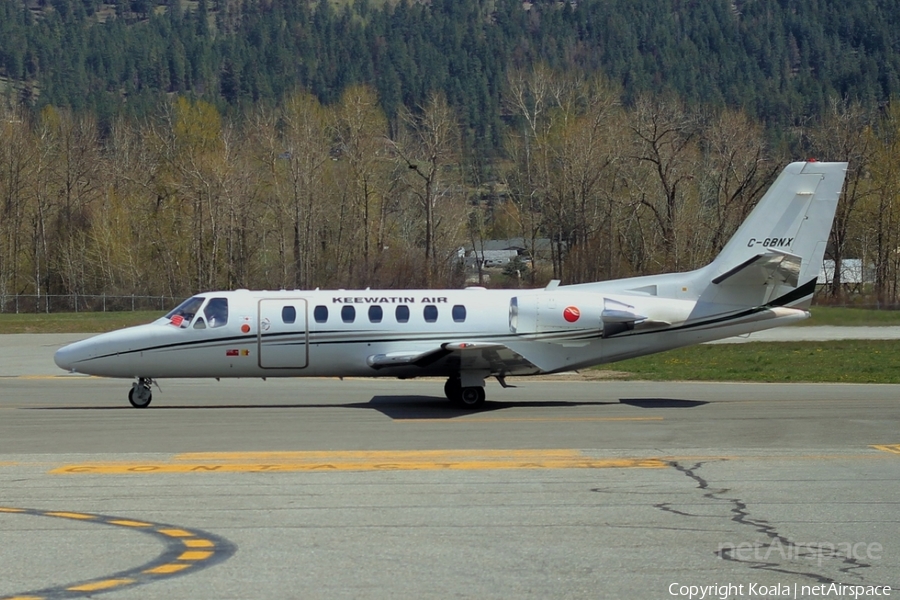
{"x":775,"y":257}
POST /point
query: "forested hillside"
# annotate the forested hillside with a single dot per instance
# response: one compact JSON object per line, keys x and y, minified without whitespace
{"x":779,"y":59}
{"x":167,"y":149}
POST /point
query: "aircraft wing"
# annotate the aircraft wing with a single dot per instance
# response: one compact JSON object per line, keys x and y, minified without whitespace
{"x":402,"y":359}
{"x":498,"y":358}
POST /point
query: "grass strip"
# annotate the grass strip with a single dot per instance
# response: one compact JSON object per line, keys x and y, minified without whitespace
{"x":857,"y":317}
{"x":86,"y":322}
{"x":840,"y":361}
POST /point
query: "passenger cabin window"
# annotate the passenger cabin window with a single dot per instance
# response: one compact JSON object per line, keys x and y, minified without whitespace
{"x":375,"y":314}
{"x":402,"y":314}
{"x":289,"y":314}
{"x":430,"y":312}
{"x":183,"y":314}
{"x":217,"y":312}
{"x":320,"y":314}
{"x":348,"y":314}
{"x":459,"y":313}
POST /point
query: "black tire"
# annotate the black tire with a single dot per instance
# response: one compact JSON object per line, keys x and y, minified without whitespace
{"x":452,"y":389}
{"x":136,"y":402}
{"x":471,"y":397}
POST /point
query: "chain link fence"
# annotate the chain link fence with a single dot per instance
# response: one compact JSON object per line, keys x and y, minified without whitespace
{"x":53,"y":303}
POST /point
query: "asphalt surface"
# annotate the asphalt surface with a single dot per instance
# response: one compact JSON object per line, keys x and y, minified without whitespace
{"x":379,"y":489}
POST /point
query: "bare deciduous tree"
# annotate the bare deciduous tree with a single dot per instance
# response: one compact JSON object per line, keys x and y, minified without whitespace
{"x":360,"y":132}
{"x":664,"y":141}
{"x":429,"y":149}
{"x":844,"y":133}
{"x":16,"y":164}
{"x":306,"y":153}
{"x":734,"y":172}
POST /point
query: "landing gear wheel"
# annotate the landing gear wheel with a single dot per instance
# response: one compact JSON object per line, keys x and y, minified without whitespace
{"x":471,"y":397}
{"x":452,"y":389}
{"x":140,"y":394}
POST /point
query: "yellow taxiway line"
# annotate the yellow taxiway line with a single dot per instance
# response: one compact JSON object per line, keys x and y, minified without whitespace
{"x":185,"y":552}
{"x":369,"y":460}
{"x":411,"y":460}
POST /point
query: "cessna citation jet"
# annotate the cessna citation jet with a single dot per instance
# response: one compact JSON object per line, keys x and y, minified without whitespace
{"x":764,"y":277}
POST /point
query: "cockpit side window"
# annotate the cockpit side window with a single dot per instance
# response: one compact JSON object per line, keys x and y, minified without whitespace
{"x":217,"y":312}
{"x":183,"y":314}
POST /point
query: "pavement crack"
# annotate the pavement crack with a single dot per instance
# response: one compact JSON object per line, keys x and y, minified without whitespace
{"x":765,"y":555}
{"x":667,"y":507}
{"x":660,"y":528}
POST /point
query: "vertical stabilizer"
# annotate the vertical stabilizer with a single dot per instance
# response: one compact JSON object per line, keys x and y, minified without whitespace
{"x":776,"y":254}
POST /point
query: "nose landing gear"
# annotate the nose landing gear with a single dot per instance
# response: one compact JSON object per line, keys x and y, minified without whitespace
{"x":140,"y":394}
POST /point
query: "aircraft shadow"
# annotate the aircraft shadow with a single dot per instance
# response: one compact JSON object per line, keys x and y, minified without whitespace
{"x":394,"y":407}
{"x":433,"y":407}
{"x":661,"y":403}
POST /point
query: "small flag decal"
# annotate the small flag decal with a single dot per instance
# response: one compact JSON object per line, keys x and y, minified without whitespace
{"x":231,"y":352}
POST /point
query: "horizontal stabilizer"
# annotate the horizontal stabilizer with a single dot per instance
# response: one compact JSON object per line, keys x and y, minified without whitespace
{"x":772,"y":266}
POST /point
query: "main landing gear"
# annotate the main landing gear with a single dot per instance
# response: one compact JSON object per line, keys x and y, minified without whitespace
{"x":464,"y":397}
{"x":140,"y":394}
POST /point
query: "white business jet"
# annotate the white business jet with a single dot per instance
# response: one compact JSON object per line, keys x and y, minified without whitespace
{"x":764,"y":277}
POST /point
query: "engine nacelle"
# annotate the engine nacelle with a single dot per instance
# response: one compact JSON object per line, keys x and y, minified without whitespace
{"x":548,"y":312}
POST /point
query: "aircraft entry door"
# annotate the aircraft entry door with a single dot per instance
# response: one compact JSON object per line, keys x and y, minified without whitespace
{"x":283,"y":334}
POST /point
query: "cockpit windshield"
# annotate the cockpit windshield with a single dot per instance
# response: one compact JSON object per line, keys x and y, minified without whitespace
{"x":183,"y":314}
{"x":214,"y":314}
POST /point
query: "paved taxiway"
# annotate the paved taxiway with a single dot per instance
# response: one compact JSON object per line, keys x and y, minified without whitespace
{"x":379,"y":489}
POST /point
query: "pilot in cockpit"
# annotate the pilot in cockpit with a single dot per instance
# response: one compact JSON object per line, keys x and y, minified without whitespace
{"x":182,"y":315}
{"x":217,"y":312}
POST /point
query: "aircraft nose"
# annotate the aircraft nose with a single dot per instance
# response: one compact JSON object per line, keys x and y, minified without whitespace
{"x":63,"y":358}
{"x":100,"y":354}
{"x":66,"y":357}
